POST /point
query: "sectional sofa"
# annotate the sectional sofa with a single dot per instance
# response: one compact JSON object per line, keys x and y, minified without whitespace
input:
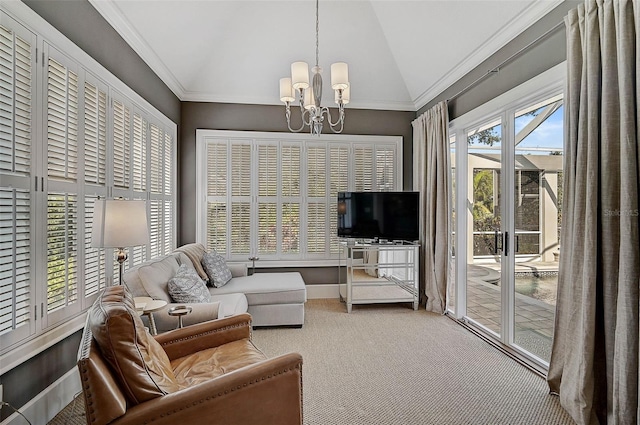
{"x":272,"y":299}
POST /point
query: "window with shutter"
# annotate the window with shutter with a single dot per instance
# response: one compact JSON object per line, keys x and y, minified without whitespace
{"x":275,"y":195}
{"x":16,"y":292}
{"x":363,"y":168}
{"x":49,"y":272}
{"x":338,"y":182}
{"x":156,"y":158}
{"x":121,"y":144}
{"x":62,"y":121}
{"x":17,"y":283}
{"x":95,"y":134}
{"x":139,"y":152}
{"x":15,"y":101}
{"x":62,"y":250}
{"x":94,"y":259}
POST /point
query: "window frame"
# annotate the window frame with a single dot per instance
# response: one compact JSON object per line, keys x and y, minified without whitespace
{"x":303,"y":259}
{"x":43,"y":329}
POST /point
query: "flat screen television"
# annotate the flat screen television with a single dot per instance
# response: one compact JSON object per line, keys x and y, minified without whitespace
{"x":379,"y":215}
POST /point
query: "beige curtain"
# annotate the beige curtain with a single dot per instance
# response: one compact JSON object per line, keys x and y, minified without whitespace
{"x":431,"y":177}
{"x":594,"y":360}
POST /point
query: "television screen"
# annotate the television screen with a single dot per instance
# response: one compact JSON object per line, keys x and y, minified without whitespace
{"x":382,"y":215}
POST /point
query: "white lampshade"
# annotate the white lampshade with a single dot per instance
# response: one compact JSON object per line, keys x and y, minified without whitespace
{"x":119,"y":223}
{"x":346,"y":95}
{"x":300,"y":75}
{"x":339,"y":76}
{"x":286,"y":90}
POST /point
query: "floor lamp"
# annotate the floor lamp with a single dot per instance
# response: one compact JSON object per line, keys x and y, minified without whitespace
{"x":119,"y":223}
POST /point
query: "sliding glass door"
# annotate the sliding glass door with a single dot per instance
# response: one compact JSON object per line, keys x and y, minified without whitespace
{"x":508,"y":197}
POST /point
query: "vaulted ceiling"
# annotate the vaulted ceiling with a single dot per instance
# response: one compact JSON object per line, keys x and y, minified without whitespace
{"x":401,"y":53}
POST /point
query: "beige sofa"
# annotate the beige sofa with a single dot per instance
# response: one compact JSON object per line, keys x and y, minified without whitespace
{"x":272,"y":299}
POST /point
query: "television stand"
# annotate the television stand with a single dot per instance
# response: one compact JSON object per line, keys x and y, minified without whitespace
{"x":378,"y":273}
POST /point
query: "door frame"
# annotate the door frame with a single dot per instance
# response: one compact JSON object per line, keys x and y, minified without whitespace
{"x":539,"y":88}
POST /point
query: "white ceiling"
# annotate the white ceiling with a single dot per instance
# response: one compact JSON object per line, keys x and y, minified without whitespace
{"x":401,"y":53}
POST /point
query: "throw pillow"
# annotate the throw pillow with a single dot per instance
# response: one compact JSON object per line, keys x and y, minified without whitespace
{"x":216,"y":268}
{"x":187,"y":287}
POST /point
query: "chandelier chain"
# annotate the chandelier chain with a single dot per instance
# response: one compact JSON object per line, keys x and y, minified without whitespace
{"x":317,"y":32}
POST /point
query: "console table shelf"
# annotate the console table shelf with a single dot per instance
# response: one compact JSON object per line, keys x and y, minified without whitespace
{"x":378,"y":273}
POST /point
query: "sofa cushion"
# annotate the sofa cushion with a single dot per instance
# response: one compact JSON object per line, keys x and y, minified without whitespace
{"x":195,"y":251}
{"x":230,"y":304}
{"x":187,"y":287}
{"x":217,"y":270}
{"x":135,"y":357}
{"x":267,"y":288}
{"x":155,"y":276}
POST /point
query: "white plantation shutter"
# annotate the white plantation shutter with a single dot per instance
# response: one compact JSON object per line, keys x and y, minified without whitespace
{"x":276,"y":197}
{"x":338,"y":182}
{"x":217,"y":196}
{"x":156,"y":159}
{"x":167,"y":235}
{"x":17,"y":288}
{"x":139,"y":153}
{"x":167,"y":172}
{"x":95,"y":134}
{"x":62,"y":250}
{"x":385,"y":168}
{"x":16,"y":296}
{"x":67,"y":137}
{"x":241,"y":168}
{"x":363,"y":167}
{"x":94,"y":259}
{"x":217,"y":227}
{"x":16,"y":56}
{"x":316,"y":226}
{"x":62,"y":121}
{"x":121,"y":144}
{"x":155,"y":228}
{"x":267,"y":198}
{"x":291,"y":199}
{"x":240,"y":230}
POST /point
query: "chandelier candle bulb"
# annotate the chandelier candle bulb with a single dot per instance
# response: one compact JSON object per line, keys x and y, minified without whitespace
{"x":346,"y":95}
{"x":300,"y":75}
{"x":339,"y":76}
{"x":286,"y":90}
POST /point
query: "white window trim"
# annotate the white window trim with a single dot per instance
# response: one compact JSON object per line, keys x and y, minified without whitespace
{"x":203,"y":135}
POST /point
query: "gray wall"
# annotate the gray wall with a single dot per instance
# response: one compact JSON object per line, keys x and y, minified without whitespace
{"x":83,"y":25}
{"x":545,"y":54}
{"x":223,"y":116}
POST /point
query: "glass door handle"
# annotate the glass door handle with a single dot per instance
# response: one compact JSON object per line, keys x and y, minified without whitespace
{"x":506,"y":243}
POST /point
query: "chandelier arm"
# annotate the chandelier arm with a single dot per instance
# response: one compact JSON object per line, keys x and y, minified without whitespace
{"x":340,"y":120}
{"x":288,"y":116}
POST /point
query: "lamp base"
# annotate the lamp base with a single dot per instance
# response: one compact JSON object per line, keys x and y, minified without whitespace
{"x":121,"y":258}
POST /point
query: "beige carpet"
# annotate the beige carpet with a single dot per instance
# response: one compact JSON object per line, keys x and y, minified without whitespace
{"x":388,"y":364}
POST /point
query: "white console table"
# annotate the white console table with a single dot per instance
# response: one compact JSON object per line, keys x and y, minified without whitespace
{"x":378,"y":273}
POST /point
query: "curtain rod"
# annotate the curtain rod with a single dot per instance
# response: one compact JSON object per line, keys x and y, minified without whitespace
{"x":509,"y":59}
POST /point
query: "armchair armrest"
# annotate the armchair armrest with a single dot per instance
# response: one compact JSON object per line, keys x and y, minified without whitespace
{"x":266,"y":393}
{"x":191,"y":339}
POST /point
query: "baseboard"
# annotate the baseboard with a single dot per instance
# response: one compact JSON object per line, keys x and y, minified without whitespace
{"x":323,"y":291}
{"x":42,"y":408}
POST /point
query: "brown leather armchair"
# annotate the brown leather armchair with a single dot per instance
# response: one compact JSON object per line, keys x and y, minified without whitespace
{"x":208,"y":373}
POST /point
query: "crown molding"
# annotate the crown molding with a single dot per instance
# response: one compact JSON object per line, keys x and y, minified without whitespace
{"x":524,"y":20}
{"x":112,"y":14}
{"x":255,"y":100}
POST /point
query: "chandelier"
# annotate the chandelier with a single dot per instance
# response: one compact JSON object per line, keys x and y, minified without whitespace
{"x":310,"y":96}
